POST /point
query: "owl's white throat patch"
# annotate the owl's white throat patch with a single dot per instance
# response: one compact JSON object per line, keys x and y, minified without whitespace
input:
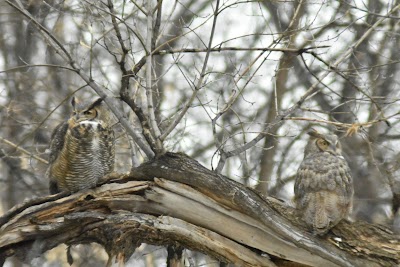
{"x":94,"y":123}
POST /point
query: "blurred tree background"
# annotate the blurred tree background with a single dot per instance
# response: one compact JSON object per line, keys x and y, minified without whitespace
{"x":233,"y":84}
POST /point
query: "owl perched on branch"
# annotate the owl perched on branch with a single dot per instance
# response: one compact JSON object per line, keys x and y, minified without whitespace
{"x":323,"y":187}
{"x":81,"y":148}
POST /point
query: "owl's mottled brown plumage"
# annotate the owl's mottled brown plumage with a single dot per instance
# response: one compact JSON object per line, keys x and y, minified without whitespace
{"x":82,"y":148}
{"x":323,"y":187}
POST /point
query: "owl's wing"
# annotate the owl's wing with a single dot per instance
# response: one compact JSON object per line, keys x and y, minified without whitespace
{"x":345,"y":174}
{"x":57,"y":141}
{"x":302,"y":183}
{"x":324,"y":173}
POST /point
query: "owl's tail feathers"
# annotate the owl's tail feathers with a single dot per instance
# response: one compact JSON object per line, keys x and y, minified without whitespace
{"x":328,"y":211}
{"x":322,"y":222}
{"x":316,"y":217}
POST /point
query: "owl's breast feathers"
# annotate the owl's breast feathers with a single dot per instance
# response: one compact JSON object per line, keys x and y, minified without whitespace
{"x":81,"y":153}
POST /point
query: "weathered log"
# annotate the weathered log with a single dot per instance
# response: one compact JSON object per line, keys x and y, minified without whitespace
{"x":174,"y":200}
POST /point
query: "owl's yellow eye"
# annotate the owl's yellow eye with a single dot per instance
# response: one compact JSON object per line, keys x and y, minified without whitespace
{"x":322,"y":143}
{"x":90,"y":112}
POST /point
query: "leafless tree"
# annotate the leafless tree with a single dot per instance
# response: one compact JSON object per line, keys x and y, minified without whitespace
{"x":232,"y":84}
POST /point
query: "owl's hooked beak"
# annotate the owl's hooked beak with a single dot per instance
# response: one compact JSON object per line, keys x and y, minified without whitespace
{"x":79,"y":118}
{"x":332,"y":149}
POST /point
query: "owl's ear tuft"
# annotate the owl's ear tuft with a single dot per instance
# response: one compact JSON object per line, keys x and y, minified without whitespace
{"x":314,"y":133}
{"x":74,"y":101}
{"x":96,"y":103}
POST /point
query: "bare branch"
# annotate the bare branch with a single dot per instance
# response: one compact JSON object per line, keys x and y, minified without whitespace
{"x":35,"y":65}
{"x":139,"y":7}
{"x":199,"y":83}
{"x":345,"y":125}
{"x":23,"y":150}
{"x":115,"y":23}
{"x":308,"y":94}
{"x":229,"y":49}
{"x":125,"y":82}
{"x":110,"y":101}
{"x":149,"y":85}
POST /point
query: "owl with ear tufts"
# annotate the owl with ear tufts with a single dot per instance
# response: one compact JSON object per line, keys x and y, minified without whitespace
{"x":323,"y":186}
{"x":81,"y":148}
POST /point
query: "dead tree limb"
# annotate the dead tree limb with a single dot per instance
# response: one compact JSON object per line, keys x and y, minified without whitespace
{"x":174,"y":200}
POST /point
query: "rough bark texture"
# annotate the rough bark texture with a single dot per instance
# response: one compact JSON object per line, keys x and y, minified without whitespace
{"x":173,"y":200}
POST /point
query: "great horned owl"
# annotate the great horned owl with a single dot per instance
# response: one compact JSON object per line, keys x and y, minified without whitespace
{"x":81,"y":148}
{"x":323,"y":187}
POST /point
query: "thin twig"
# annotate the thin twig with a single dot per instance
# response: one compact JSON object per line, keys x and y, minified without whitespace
{"x":232,"y":99}
{"x":341,"y":74}
{"x":5,"y":141}
{"x":231,"y":48}
{"x":142,"y":61}
{"x":199,"y":82}
{"x":36,"y":65}
{"x":137,"y":34}
{"x":31,"y":133}
{"x":275,"y":100}
{"x":342,"y":124}
{"x":139,"y":7}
